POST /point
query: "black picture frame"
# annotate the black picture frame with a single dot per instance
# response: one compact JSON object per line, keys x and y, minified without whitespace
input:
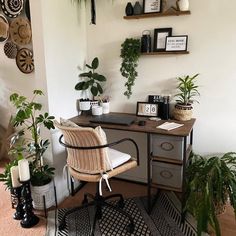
{"x":160,"y":35}
{"x":177,"y":43}
{"x":152,"y":6}
{"x":147,"y":109}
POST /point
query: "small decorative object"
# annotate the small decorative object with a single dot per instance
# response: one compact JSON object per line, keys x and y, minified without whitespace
{"x":10,"y":50}
{"x":105,"y":105}
{"x":93,"y":12}
{"x":183,"y":5}
{"x":130,"y":53}
{"x":160,"y":39}
{"x":27,"y":9}
{"x":151,"y":6}
{"x":25,"y":61}
{"x":20,"y":31}
{"x":176,"y":43}
{"x":129,"y":11}
{"x":137,"y":8}
{"x":146,"y":41}
{"x":147,"y":109}
{"x":12,"y":8}
{"x":169,"y":6}
{"x":188,"y":90}
{"x":4,"y":29}
{"x":97,"y":110}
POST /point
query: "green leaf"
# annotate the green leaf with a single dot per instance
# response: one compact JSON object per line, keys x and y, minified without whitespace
{"x":94,"y":90}
{"x":95,"y":63}
{"x":86,"y":74}
{"x":38,"y":92}
{"x":80,"y":85}
{"x":100,"y":90}
{"x":100,"y":78}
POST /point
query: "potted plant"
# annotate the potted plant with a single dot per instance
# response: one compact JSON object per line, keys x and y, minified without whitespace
{"x":92,"y":81}
{"x":211,"y":183}
{"x":130,"y":53}
{"x":188,"y":90}
{"x":29,"y":120}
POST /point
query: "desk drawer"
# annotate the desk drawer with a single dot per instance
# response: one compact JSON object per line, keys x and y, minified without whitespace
{"x":167,"y":174}
{"x":167,"y":146}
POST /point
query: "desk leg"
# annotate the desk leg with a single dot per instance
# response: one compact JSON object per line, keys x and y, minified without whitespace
{"x":148,"y":174}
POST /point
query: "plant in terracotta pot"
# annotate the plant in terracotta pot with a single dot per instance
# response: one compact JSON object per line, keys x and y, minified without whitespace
{"x":91,"y":81}
{"x":211,"y":183}
{"x":130,"y":53}
{"x":29,"y":121}
{"x":188,"y":91}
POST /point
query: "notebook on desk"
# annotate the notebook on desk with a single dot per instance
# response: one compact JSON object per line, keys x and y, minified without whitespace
{"x":113,"y":119}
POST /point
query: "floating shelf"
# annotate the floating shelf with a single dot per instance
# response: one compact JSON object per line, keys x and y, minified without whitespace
{"x":162,"y":53}
{"x":161,"y":14}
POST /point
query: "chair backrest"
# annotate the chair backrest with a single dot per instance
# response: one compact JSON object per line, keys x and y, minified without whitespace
{"x":90,"y":161}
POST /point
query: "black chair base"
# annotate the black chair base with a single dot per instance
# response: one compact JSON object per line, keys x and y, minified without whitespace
{"x":99,"y":202}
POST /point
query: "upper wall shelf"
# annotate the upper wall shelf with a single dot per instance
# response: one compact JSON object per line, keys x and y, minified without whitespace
{"x":163,"y":53}
{"x":148,"y":15}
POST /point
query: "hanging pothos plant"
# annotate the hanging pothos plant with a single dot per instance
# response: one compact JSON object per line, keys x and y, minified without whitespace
{"x":130,"y":53}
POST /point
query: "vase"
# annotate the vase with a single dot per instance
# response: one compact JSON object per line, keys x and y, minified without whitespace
{"x":129,"y":11}
{"x":105,"y":107}
{"x":183,"y":5}
{"x":137,"y":8}
{"x":96,"y":110}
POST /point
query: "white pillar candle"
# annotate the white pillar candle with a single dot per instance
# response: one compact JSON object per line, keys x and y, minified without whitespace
{"x":15,"y":177}
{"x":24,"y":171}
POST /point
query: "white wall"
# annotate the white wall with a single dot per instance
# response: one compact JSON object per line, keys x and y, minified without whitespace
{"x":211,"y":44}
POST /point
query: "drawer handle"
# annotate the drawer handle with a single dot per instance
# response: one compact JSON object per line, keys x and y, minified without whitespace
{"x":166,"y":174}
{"x":166,"y":146}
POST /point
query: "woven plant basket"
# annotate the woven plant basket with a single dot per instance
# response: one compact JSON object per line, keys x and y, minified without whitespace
{"x":183,"y":112}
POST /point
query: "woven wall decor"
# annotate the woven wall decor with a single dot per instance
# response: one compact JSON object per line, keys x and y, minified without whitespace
{"x":20,"y":31}
{"x":4,"y":29}
{"x":25,"y":60}
{"x":12,"y":8}
{"x":10,"y":50}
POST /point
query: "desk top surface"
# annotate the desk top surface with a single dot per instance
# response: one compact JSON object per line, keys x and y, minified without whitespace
{"x":149,"y":127}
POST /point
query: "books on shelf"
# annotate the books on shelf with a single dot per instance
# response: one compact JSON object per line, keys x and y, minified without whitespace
{"x":169,"y":126}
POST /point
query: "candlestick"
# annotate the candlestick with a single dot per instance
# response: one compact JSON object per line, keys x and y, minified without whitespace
{"x":18,"y":215}
{"x":15,"y":176}
{"x":24,"y":172}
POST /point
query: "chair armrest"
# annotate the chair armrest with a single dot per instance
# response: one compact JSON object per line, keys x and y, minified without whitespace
{"x":102,"y":146}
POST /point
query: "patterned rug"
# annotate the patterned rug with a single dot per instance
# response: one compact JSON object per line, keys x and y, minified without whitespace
{"x":165,"y":220}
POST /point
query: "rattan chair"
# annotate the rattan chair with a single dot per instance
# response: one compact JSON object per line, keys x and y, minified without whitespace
{"x":90,"y":159}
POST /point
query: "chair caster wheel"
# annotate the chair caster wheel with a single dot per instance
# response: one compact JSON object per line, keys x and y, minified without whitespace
{"x":62,"y":225}
{"x":121,"y":204}
{"x":130,"y":228}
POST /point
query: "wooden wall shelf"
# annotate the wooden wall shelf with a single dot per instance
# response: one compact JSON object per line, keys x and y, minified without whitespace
{"x":162,"y":14}
{"x":163,"y":53}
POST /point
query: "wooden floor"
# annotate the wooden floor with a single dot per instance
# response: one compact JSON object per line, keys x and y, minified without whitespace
{"x":227,"y":220}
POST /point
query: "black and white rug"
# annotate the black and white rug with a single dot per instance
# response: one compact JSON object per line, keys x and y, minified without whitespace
{"x":165,"y":220}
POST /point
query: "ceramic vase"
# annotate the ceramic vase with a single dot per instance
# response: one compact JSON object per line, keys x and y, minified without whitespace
{"x":137,"y":8}
{"x":129,"y":11}
{"x":183,"y":5}
{"x":105,"y":107}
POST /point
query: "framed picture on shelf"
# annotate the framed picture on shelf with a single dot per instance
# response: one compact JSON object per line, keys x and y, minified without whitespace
{"x":147,"y":109}
{"x":160,"y":39}
{"x":177,"y":43}
{"x":151,"y":6}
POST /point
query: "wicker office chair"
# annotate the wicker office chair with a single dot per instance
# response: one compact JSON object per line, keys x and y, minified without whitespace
{"x":90,"y":159}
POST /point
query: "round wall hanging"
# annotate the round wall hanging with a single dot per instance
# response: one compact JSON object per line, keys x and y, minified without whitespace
{"x":25,"y":60}
{"x":4,"y":29}
{"x":12,"y":8}
{"x":20,"y":31}
{"x":10,"y":49}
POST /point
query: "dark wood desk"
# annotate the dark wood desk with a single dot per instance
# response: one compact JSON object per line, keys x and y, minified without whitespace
{"x":150,"y":129}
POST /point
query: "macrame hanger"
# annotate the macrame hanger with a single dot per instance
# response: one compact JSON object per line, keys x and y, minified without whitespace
{"x":93,"y":12}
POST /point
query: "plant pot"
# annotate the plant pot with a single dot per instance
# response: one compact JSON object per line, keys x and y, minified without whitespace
{"x":84,"y":105}
{"x":96,"y":110}
{"x":37,"y":193}
{"x":183,"y":112}
{"x":105,"y":107}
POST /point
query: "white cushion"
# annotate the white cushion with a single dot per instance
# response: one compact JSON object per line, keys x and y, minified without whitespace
{"x":117,"y":158}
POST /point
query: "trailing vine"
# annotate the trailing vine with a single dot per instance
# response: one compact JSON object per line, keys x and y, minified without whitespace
{"x":130,"y":53}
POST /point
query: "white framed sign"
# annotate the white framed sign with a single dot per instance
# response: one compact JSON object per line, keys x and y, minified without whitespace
{"x":176,"y":43}
{"x":151,"y":6}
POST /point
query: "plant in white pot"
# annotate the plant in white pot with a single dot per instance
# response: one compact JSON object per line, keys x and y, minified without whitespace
{"x":188,"y":91}
{"x":29,"y":120}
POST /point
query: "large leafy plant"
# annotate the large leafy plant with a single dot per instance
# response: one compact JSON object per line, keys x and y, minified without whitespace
{"x":91,"y":79}
{"x":211,"y":183}
{"x":29,"y":120}
{"x":188,"y":90}
{"x":130,"y":53}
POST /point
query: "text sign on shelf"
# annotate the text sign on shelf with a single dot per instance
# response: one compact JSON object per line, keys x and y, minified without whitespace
{"x":176,"y":43}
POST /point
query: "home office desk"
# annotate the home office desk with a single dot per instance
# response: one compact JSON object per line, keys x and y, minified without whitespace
{"x":183,"y":137}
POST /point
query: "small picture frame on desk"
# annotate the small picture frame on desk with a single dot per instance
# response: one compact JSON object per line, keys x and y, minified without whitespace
{"x":147,"y":109}
{"x":177,"y":43}
{"x":160,"y":39}
{"x":151,"y":6}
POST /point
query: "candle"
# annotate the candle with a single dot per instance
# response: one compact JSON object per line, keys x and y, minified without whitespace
{"x":15,"y":176}
{"x":24,"y":172}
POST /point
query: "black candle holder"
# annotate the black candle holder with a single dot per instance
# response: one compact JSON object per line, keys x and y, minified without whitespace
{"x":18,"y":215}
{"x":29,"y":219}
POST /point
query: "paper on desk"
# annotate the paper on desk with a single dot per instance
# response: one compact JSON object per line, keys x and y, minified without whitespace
{"x":169,"y":126}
